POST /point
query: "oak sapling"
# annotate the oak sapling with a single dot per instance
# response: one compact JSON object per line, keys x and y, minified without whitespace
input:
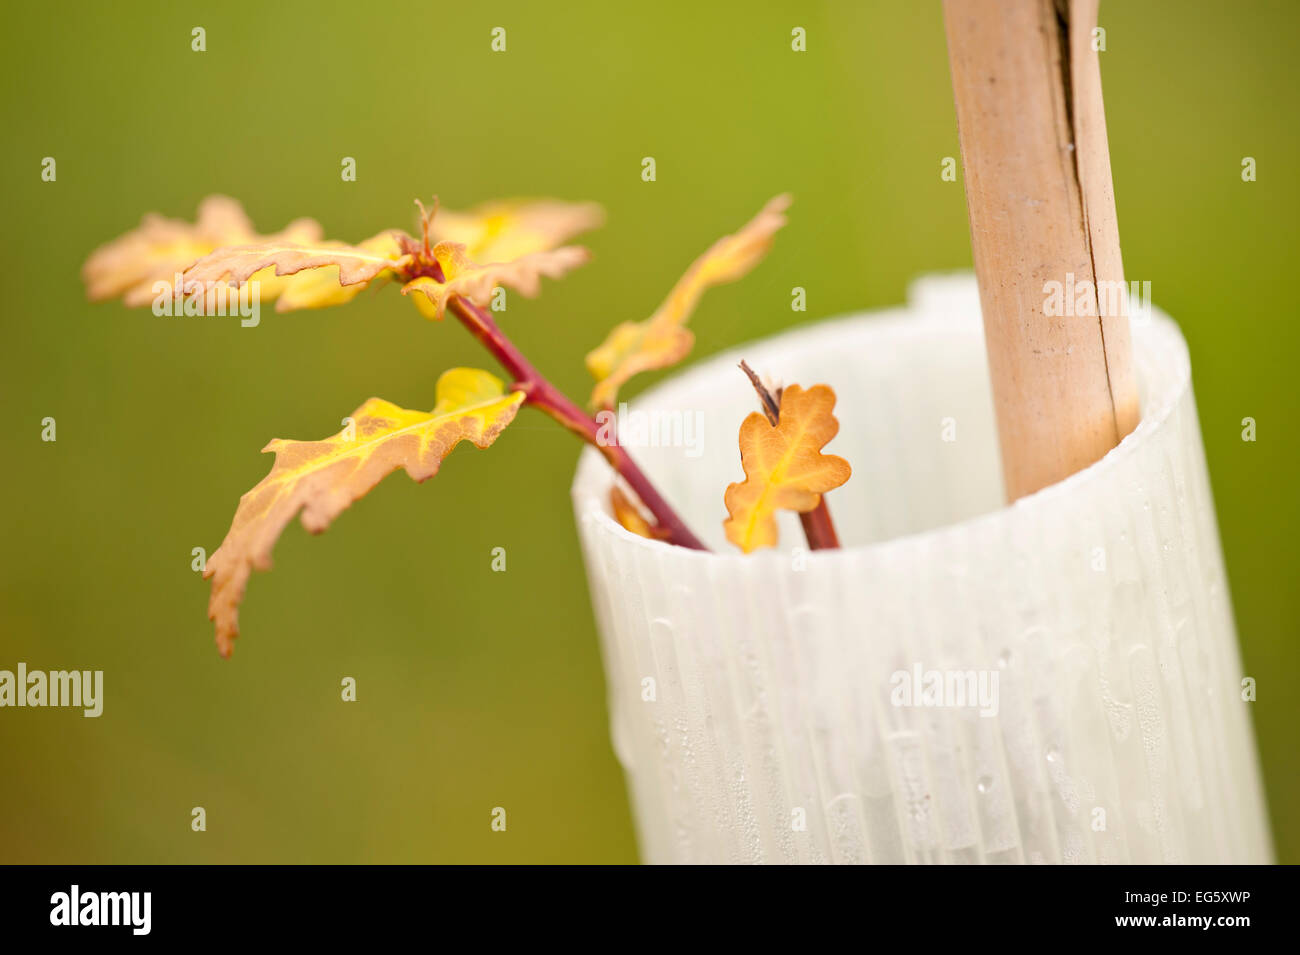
{"x":455,"y":266}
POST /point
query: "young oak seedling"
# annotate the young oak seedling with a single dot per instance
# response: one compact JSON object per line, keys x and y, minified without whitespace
{"x":454,"y":266}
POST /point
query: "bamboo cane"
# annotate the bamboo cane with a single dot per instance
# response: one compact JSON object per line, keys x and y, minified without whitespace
{"x":1027,"y":87}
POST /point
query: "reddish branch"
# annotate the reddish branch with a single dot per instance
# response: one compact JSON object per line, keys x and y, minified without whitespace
{"x":818,"y":529}
{"x":544,"y":396}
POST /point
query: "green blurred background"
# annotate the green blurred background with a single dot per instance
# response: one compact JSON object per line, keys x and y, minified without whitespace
{"x":479,"y":689}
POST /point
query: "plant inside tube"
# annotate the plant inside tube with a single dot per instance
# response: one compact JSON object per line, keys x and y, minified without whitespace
{"x":458,"y":264}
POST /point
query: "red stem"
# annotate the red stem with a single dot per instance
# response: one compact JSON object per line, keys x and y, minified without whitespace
{"x":544,"y":396}
{"x":818,"y":529}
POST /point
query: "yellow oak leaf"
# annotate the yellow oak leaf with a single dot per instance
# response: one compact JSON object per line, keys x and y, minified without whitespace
{"x":321,"y":479}
{"x":320,"y":288}
{"x":236,"y":265}
{"x":630,"y":516}
{"x":475,"y":282}
{"x":662,"y":339}
{"x":161,"y":248}
{"x":784,"y":466}
{"x":510,"y":228}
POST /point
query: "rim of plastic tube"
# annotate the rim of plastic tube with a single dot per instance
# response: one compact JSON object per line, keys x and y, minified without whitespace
{"x":1157,"y":342}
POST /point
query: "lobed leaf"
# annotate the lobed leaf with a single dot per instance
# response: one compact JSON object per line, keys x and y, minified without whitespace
{"x":322,"y":287}
{"x":321,"y":479}
{"x":784,"y":466}
{"x":515,"y":238}
{"x":511,"y":228}
{"x":476,"y":282}
{"x":662,"y":339}
{"x":355,"y":264}
{"x":160,"y":248}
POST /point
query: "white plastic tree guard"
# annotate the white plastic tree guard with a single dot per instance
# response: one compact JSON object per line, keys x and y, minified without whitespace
{"x":1054,"y":681}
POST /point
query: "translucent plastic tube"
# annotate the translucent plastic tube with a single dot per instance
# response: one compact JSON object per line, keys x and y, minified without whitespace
{"x":783,"y":706}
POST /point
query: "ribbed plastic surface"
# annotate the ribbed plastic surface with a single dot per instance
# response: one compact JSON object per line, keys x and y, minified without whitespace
{"x":755,"y":701}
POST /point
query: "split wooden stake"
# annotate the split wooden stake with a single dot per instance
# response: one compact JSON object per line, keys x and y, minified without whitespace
{"x":1027,"y":87}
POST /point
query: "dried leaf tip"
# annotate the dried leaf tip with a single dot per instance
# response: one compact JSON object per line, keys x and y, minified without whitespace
{"x":426,"y":224}
{"x":771,"y":404}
